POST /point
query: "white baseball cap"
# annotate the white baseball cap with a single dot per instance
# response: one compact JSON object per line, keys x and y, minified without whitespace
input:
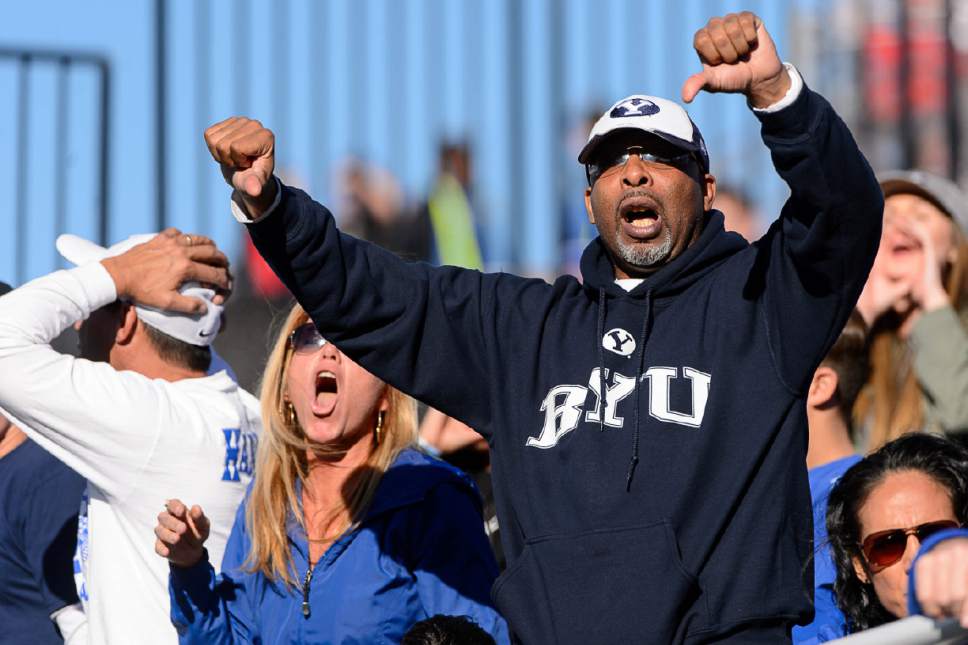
{"x":664,"y":118}
{"x":194,"y":329}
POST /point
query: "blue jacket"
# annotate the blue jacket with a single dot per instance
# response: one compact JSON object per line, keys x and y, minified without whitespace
{"x":826,"y":612}
{"x":420,"y":551}
{"x":648,"y":447}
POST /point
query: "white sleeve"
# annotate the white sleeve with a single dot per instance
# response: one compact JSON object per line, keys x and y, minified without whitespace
{"x":101,"y":422}
{"x":796,"y":86}
{"x":238,"y":211}
{"x":72,"y":624}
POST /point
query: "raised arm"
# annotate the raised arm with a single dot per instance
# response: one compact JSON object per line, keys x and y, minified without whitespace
{"x":813,"y":262}
{"x":99,"y":421}
{"x":432,"y":332}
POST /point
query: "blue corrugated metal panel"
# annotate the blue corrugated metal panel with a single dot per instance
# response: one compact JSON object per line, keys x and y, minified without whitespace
{"x":388,"y":80}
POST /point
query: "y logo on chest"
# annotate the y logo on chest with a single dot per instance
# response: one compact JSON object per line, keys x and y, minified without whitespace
{"x":619,"y":341}
{"x":564,"y":405}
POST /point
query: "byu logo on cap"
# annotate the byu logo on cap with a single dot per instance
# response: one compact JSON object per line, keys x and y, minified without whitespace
{"x":619,"y":341}
{"x":634,"y":107}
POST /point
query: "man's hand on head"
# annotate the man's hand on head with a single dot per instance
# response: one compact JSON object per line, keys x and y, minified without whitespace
{"x":151,"y":274}
{"x":246,"y":153}
{"x":738,"y":55}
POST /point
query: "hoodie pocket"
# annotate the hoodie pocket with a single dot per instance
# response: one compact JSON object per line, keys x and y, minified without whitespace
{"x":606,"y":586}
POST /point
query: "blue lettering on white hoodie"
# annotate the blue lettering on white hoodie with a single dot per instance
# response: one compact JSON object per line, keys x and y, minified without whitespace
{"x":678,"y":510}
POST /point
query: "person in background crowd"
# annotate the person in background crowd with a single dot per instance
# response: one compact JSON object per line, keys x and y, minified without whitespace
{"x":659,"y":402}
{"x":830,"y":402}
{"x":879,"y":513}
{"x":739,"y":215}
{"x":449,"y":210}
{"x":348,"y":532}
{"x":136,"y":416}
{"x":446,"y":630}
{"x":39,"y":501}
{"x":916,"y":305}
{"x":575,"y":229}
{"x":374,"y":210}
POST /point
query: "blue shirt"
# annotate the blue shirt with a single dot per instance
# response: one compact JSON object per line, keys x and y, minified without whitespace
{"x":420,"y":551}
{"x":822,"y":480}
{"x":39,"y":500}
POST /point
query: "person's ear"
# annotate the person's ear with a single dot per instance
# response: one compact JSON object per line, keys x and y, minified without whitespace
{"x":823,"y":387}
{"x":588,"y":205}
{"x":859,"y":570}
{"x":127,"y":324}
{"x":708,"y":191}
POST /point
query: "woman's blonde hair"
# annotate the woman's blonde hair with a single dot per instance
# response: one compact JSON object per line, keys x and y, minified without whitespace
{"x":282,"y":461}
{"x":891,"y":404}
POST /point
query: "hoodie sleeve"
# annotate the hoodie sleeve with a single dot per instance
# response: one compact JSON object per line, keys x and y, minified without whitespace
{"x":423,"y":329}
{"x":812,"y":264}
{"x":209,"y":608}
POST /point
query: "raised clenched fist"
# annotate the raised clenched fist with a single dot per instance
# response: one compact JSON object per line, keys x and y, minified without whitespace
{"x":738,"y":55}
{"x":246,"y":153}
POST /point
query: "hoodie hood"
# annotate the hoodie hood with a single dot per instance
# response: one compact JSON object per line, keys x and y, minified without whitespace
{"x":713,"y":246}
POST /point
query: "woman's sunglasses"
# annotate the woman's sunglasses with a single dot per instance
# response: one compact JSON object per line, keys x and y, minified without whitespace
{"x":305,"y":338}
{"x":884,"y":548}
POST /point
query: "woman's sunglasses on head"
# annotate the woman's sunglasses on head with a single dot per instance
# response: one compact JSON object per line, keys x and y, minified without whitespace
{"x":884,"y":548}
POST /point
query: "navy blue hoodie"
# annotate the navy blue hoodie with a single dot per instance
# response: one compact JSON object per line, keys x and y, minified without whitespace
{"x":680,"y":512}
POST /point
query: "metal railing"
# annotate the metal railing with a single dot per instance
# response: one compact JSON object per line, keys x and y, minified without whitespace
{"x":914,"y":630}
{"x":26,"y":60}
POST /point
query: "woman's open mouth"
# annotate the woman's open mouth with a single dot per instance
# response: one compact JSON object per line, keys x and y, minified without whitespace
{"x":327,"y":389}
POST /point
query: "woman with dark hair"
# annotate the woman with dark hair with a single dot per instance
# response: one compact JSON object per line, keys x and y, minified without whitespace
{"x":879,"y":514}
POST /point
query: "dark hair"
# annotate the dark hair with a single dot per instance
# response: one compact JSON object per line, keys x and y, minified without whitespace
{"x":849,"y":359}
{"x":941,"y":459}
{"x":446,"y":630}
{"x":180,"y":353}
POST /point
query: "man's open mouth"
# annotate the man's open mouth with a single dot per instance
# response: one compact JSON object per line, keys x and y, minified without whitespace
{"x":640,"y":219}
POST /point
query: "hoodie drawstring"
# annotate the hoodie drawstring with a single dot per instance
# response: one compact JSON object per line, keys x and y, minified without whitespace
{"x":601,"y":359}
{"x":634,"y":461}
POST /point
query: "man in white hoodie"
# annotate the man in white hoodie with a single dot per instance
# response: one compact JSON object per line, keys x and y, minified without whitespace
{"x":136,"y":415}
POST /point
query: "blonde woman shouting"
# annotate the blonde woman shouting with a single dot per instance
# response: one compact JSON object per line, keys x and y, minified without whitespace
{"x":347,"y":533}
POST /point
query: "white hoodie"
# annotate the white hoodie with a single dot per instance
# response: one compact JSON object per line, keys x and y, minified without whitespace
{"x":137,"y":441}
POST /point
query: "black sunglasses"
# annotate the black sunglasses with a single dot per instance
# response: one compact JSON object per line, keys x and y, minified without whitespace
{"x":884,"y":548}
{"x":606,"y":161}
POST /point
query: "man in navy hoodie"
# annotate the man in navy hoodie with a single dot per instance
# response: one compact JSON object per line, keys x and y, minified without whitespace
{"x":678,"y":511}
